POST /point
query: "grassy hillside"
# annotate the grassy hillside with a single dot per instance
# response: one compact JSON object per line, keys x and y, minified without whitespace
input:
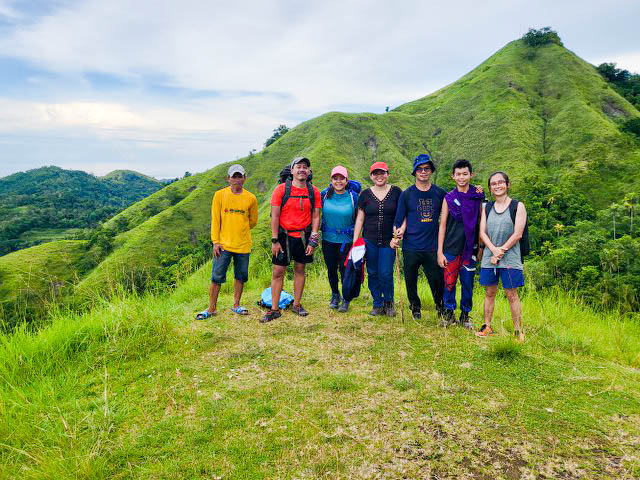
{"x":138,"y":389}
{"x":34,"y":278}
{"x":50,"y":203}
{"x":538,"y":113}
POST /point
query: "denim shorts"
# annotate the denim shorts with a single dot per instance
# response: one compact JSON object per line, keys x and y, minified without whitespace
{"x":221,"y":264}
{"x":510,"y":277}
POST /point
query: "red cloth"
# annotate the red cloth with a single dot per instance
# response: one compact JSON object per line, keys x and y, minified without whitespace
{"x":296,"y":214}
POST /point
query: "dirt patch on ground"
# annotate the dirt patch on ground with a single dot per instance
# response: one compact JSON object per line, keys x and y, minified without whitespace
{"x":611,"y":109}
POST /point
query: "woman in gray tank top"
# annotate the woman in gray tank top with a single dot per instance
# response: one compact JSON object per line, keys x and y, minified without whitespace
{"x":501,"y":236}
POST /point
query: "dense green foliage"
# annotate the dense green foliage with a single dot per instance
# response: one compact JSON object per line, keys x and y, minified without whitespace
{"x":544,"y":36}
{"x":277,"y":133}
{"x":625,"y":83}
{"x":52,"y":199}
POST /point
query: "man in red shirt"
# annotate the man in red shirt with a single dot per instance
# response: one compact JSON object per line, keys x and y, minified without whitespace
{"x":294,"y":233}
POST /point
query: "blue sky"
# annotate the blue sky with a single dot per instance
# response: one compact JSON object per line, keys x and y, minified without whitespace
{"x":165,"y":87}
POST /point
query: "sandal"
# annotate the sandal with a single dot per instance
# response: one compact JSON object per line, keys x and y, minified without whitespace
{"x":205,"y":314}
{"x":240,"y":310}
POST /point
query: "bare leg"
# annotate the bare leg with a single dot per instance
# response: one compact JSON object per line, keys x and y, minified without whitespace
{"x":516,"y":310}
{"x":298,"y":282}
{"x":214,"y":290}
{"x":238,"y":286}
{"x":489,"y":303}
{"x":277,"y":279}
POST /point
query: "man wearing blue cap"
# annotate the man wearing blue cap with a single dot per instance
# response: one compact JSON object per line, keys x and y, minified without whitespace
{"x":416,"y":223}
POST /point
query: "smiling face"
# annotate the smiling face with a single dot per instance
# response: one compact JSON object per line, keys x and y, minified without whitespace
{"x":498,"y":184}
{"x":339,"y":183}
{"x":423,"y":173}
{"x":379,"y":177}
{"x":462,"y":177}
{"x":300,"y":171}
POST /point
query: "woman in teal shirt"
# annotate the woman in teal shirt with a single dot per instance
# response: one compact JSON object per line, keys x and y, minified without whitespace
{"x":339,"y":204}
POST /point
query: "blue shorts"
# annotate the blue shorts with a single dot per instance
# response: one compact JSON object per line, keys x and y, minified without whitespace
{"x":510,"y":277}
{"x":221,"y":264}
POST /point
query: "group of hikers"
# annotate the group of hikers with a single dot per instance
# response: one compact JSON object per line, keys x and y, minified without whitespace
{"x":445,"y":233}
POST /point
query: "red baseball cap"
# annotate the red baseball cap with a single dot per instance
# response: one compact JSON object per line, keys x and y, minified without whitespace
{"x":379,"y":166}
{"x":339,"y":170}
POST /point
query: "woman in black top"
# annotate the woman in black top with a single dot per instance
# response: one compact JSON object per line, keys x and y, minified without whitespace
{"x":376,"y":212}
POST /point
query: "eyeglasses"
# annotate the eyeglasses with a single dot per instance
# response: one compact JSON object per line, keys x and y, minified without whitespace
{"x":423,"y":169}
{"x":498,"y":182}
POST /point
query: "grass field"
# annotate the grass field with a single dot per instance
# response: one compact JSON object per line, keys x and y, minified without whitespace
{"x":138,"y":389}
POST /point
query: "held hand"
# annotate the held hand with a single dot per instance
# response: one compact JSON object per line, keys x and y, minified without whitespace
{"x":217,"y":249}
{"x":309,"y":251}
{"x":394,"y":243}
{"x":276,"y":248}
{"x":494,"y":260}
{"x":398,"y":232}
{"x":442,"y":260}
{"x":497,"y":252}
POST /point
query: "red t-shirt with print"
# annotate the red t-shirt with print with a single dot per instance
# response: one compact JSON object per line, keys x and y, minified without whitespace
{"x":296,"y":213}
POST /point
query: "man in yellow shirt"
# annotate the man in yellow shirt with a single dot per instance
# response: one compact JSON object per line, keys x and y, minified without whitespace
{"x":234,"y":212}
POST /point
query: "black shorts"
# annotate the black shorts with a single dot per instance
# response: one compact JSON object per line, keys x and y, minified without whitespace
{"x":296,"y":252}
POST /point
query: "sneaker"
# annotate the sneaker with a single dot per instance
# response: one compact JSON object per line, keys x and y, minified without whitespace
{"x":335,"y":301}
{"x":447,"y":318}
{"x":377,"y":311}
{"x":344,"y":306}
{"x":416,"y":313}
{"x":299,"y":310}
{"x":519,"y":335}
{"x":270,"y":315}
{"x":464,"y":320}
{"x":484,"y":331}
{"x":390,"y":309}
{"x":440,"y":311}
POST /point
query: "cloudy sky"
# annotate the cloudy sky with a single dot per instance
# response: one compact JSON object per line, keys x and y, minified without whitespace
{"x":167,"y":86}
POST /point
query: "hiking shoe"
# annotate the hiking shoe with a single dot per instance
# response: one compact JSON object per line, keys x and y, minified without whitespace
{"x":270,"y":315}
{"x":464,"y":320}
{"x":439,"y":311}
{"x":447,"y":318}
{"x":377,"y":311}
{"x":390,"y":309}
{"x":335,"y":301}
{"x":299,"y":310}
{"x":484,"y":331}
{"x":344,"y":306}
{"x":416,"y":313}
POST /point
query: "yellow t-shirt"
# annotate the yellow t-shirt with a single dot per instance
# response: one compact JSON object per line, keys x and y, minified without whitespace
{"x":232,"y":218}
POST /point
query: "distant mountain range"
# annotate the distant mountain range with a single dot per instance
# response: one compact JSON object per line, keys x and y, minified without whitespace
{"x":541,"y":114}
{"x":50,"y":203}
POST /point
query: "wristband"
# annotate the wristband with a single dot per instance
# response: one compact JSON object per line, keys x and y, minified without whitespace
{"x":274,"y":240}
{"x":313,"y":242}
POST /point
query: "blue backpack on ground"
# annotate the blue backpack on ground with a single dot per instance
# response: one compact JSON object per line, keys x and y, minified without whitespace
{"x":286,"y":299}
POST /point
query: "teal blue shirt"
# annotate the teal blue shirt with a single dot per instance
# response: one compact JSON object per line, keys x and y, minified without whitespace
{"x":337,"y":214}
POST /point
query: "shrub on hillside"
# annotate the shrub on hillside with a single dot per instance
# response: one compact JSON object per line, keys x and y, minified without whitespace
{"x":544,"y":36}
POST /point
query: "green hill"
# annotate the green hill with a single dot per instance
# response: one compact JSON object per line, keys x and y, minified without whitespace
{"x":542,"y":114}
{"x":51,"y":203}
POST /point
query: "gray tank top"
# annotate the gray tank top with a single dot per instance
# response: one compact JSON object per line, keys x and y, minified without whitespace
{"x":500,"y":228}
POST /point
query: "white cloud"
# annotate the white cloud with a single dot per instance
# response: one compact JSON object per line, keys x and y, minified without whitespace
{"x":308,"y":57}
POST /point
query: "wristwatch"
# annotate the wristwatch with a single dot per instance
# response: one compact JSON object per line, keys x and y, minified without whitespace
{"x":274,"y":240}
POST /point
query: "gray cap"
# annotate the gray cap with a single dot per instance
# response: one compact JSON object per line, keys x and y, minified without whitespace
{"x":300,"y":159}
{"x":235,"y":168}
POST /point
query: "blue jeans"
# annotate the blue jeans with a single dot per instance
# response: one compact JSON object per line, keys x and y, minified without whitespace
{"x":221,"y":264}
{"x":380,"y":270}
{"x":454,"y":270}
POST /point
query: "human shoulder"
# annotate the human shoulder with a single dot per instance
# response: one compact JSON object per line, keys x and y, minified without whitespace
{"x":439,"y":191}
{"x":252,"y":198}
{"x":276,"y":196}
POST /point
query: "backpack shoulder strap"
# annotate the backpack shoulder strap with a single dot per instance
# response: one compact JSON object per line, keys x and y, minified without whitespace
{"x":287,"y":193}
{"x":513,"y":209}
{"x":487,"y":208}
{"x":312,"y":196}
